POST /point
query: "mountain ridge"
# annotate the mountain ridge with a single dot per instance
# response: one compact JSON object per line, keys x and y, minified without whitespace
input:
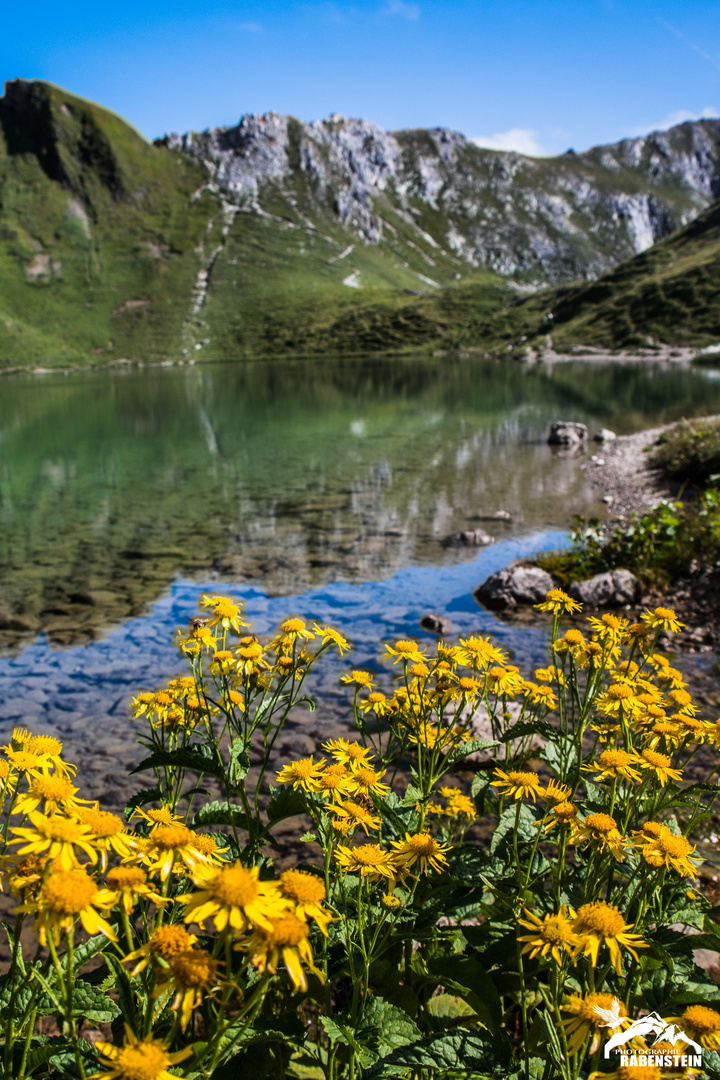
{"x":277,"y":237}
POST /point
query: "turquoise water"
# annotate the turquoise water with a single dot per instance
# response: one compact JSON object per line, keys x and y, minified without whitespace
{"x":325,"y":489}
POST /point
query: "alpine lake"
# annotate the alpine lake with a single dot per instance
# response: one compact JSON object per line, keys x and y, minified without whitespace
{"x":320,"y":488}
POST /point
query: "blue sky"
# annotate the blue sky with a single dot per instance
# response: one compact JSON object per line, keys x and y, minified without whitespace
{"x":534,"y":75}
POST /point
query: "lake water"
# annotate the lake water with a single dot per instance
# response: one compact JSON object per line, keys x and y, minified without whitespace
{"x":321,"y":488}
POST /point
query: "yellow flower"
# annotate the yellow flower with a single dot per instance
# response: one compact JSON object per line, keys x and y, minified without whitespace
{"x":333,"y":783}
{"x":619,"y":699}
{"x":302,"y":773}
{"x":163,"y":944}
{"x":57,"y":837}
{"x":64,"y":896}
{"x":599,"y":923}
{"x":348,"y":753}
{"x":24,"y":875}
{"x":562,"y":814}
{"x":559,"y":603}
{"x":518,"y":784}
{"x":234,"y":896}
{"x":661,"y":848}
{"x":226,"y":613}
{"x":407,"y":651}
{"x":127,"y":884}
{"x":52,"y":789}
{"x":356,"y":815}
{"x":375,"y":701}
{"x":166,"y":844}
{"x":109,"y":834}
{"x":615,"y":764}
{"x":584,"y":1017}
{"x":358,"y":678}
{"x":192,"y":976}
{"x":682,"y":702}
{"x":285,"y":941}
{"x":306,"y":891}
{"x":662,"y":618}
{"x":367,"y":860}
{"x":138,"y":1059}
{"x":162,"y":816}
{"x":702,"y":1024}
{"x":480,"y":652}
{"x":555,"y":793}
{"x":660,"y":765}
{"x":600,"y":829}
{"x":551,"y":934}
{"x":458,"y":804}
{"x":364,"y":780}
{"x":330,"y":634}
{"x":420,"y":848}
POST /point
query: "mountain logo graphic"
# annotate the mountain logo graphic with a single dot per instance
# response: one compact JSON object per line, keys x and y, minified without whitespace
{"x":646,"y":1025}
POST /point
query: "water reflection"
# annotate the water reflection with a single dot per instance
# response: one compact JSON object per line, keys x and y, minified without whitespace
{"x":287,"y":474}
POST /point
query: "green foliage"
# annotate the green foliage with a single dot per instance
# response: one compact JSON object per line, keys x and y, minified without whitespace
{"x":690,"y":451}
{"x":658,"y":546}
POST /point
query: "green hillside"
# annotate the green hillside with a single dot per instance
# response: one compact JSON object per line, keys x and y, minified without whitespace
{"x":114,"y":248}
{"x":670,"y":293}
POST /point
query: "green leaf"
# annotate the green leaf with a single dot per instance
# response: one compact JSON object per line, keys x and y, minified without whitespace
{"x":90,"y":1002}
{"x":203,"y":758}
{"x":534,"y":727}
{"x":470,"y":979}
{"x":86,"y":950}
{"x":384,"y":1027}
{"x":285,"y":803}
{"x":126,"y":996}
{"x":467,"y":748}
{"x":506,"y":826}
{"x":239,"y":760}
{"x":219,"y":813}
{"x":449,"y":1010}
{"x":458,"y":1049}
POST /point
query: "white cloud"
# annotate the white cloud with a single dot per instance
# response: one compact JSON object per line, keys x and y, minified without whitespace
{"x":399,"y":7}
{"x":522,"y":140}
{"x":678,"y":116}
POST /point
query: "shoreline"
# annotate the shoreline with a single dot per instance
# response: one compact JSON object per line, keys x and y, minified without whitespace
{"x":672,"y":354}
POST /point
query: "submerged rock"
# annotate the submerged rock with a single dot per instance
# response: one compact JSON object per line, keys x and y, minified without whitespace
{"x":512,"y":586}
{"x":567,"y":433}
{"x":615,"y":588}
{"x":470,"y":538}
{"x":436,"y":624}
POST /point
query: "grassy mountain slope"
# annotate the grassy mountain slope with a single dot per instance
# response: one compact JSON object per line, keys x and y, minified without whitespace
{"x":670,"y":293}
{"x":98,"y":232}
{"x":354,"y":240}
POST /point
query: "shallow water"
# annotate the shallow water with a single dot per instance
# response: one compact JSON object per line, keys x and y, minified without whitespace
{"x":321,"y":488}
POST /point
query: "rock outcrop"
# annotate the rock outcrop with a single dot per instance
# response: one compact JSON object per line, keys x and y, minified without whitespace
{"x":567,"y":433}
{"x":615,"y":588}
{"x":565,"y":218}
{"x":516,"y":584}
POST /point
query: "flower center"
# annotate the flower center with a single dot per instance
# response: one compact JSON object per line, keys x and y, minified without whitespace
{"x":303,"y":887}
{"x":168,"y":941}
{"x":51,"y":787}
{"x":194,"y":968}
{"x":125,"y":877}
{"x":168,"y":837}
{"x":555,"y":930}
{"x":660,"y":761}
{"x":613,"y":759}
{"x":287,"y":932}
{"x":144,"y":1061}
{"x":102,"y":822}
{"x":705,"y":1021}
{"x":601,"y":823}
{"x":524,"y":779}
{"x":675,"y":846}
{"x":234,"y":887}
{"x":63,"y":829}
{"x":67,"y":892}
{"x":422,"y":845}
{"x":44,"y":744}
{"x":619,"y":692}
{"x":601,"y":918}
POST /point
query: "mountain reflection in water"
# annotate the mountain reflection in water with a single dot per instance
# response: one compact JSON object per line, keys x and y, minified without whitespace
{"x":287,"y":475}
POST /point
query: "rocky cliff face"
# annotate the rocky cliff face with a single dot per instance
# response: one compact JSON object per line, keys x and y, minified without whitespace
{"x":540,"y":220}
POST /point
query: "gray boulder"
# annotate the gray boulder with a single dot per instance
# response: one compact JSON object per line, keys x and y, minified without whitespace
{"x":612,"y":589}
{"x":513,"y":586}
{"x":567,"y":433}
{"x":604,"y":435}
{"x":470,"y":538}
{"x":436,"y":624}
